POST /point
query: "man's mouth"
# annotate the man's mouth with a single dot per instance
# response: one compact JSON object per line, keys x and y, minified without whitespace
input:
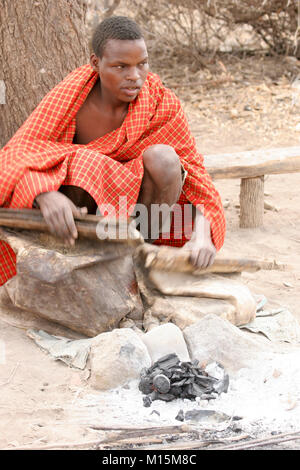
{"x":131,"y":91}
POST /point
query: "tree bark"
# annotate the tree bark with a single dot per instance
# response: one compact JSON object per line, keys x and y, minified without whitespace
{"x":252,"y":202}
{"x":41,"y":41}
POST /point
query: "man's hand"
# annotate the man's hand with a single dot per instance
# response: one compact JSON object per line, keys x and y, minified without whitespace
{"x":59,"y":211}
{"x":201,"y":247}
{"x":203,"y":252}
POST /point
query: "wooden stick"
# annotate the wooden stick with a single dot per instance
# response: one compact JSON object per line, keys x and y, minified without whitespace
{"x":171,"y":259}
{"x":196,"y":444}
{"x":154,"y":430}
{"x":32,"y":219}
{"x":264,"y":441}
{"x":106,"y":445}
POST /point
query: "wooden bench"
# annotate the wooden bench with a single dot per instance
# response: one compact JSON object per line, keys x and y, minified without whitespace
{"x":251,"y":166}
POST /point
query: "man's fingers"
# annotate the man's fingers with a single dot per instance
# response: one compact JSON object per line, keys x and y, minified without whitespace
{"x":61,"y":224}
{"x":58,"y":221}
{"x":202,"y":258}
{"x":78,"y":211}
{"x":212,"y":258}
{"x":70,"y":224}
{"x":194,"y":257}
{"x":51,"y":222}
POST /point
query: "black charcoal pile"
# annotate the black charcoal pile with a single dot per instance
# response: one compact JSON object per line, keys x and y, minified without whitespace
{"x":169,"y":378}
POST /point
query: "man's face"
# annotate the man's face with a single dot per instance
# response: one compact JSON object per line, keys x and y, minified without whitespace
{"x":123,"y":68}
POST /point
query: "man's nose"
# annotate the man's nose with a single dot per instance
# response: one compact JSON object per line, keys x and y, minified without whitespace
{"x":133,"y":74}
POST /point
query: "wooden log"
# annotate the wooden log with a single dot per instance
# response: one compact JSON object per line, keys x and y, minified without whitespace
{"x":252,"y":202}
{"x":253,"y":163}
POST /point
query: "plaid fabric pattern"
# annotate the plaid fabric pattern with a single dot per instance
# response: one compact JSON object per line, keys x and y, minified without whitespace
{"x":41,"y":155}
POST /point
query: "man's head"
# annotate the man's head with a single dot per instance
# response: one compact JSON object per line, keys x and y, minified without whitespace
{"x":120,"y":57}
{"x":115,"y":27}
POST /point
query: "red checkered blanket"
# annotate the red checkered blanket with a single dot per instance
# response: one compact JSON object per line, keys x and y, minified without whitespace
{"x":41,"y":155}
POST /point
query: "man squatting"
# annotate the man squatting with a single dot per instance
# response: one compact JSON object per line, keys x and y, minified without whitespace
{"x":110,"y":129}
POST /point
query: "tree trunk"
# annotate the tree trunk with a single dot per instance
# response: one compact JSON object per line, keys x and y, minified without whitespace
{"x":41,"y":41}
{"x":252,"y":202}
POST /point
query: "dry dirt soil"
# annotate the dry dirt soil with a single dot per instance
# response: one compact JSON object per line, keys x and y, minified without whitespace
{"x":242,"y":104}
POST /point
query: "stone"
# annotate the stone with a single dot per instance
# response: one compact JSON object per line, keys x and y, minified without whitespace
{"x":213,"y":286}
{"x":117,"y":357}
{"x":165,"y":339}
{"x":88,"y":288}
{"x":215,"y":339}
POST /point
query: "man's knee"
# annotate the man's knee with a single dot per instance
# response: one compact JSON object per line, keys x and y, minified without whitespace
{"x":162,"y":163}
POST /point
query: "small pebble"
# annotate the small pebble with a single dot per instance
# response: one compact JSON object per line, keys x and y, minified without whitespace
{"x":147,"y":401}
{"x":180,"y":416}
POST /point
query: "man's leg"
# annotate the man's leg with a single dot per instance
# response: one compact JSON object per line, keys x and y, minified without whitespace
{"x":162,"y":184}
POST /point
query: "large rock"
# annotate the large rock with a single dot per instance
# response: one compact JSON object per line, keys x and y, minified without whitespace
{"x":116,"y":358}
{"x":215,"y":339}
{"x":88,"y":288}
{"x":166,"y":339}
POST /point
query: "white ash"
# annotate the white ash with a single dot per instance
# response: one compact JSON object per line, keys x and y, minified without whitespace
{"x":266,"y":396}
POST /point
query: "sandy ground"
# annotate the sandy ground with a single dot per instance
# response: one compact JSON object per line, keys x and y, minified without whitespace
{"x":40,"y":398}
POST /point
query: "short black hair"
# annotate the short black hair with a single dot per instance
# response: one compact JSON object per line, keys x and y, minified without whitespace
{"x":114,"y":27}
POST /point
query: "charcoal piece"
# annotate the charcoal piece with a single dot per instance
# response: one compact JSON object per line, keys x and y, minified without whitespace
{"x":167,"y":373}
{"x":176,"y":370}
{"x":197,"y":391}
{"x":179,"y":383}
{"x":147,"y":401}
{"x":195,"y":362}
{"x":184,"y":366}
{"x":189,"y":380}
{"x":145,"y":385}
{"x":168,"y":361}
{"x":176,"y":376}
{"x":206,"y":378}
{"x":165,"y":396}
{"x":153,"y":395}
{"x":144,"y":372}
{"x":167,"y":357}
{"x":204,"y":383}
{"x":185,"y":394}
{"x":189,"y":388}
{"x":155,"y":372}
{"x":180,"y":415}
{"x":161,"y":383}
{"x":176,"y":391}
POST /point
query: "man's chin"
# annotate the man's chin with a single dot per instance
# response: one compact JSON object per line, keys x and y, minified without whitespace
{"x":128,"y":97}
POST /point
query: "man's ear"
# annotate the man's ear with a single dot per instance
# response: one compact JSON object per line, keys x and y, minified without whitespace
{"x":94,"y":61}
